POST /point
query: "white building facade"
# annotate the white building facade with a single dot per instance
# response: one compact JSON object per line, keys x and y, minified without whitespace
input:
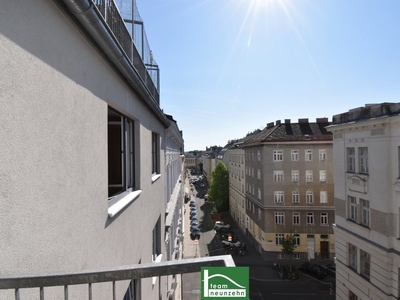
{"x":82,"y":157}
{"x":366,"y":148}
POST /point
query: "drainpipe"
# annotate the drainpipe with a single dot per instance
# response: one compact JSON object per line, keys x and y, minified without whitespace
{"x":88,"y":16}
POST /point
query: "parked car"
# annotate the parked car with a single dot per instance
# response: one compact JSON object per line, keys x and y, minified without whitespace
{"x":192,"y":209}
{"x":192,"y":214}
{"x":330,"y":270}
{"x":216,"y":216}
{"x":194,"y":227}
{"x":195,"y":234}
{"x":192,"y":204}
{"x":314,"y":270}
{"x":220,"y":224}
{"x":194,"y":220}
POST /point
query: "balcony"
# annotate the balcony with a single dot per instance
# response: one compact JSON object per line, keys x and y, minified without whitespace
{"x":112,"y":276}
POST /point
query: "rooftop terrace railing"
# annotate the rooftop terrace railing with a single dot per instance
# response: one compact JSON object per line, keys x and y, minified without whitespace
{"x":128,"y":31}
{"x":111,"y":275}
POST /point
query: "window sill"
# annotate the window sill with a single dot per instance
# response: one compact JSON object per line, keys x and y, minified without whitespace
{"x":122,"y":203}
{"x":155,"y":177}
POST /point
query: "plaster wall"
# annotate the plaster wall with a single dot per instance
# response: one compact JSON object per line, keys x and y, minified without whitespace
{"x":55,"y":92}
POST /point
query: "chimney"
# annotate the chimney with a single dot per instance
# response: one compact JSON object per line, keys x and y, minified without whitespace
{"x":303,"y":121}
{"x":287,"y":121}
{"x":270,"y":125}
{"x":278,"y":122}
{"x":322,"y":120}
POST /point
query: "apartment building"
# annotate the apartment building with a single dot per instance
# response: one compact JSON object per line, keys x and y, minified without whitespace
{"x":175,"y":189}
{"x":366,"y":156}
{"x":237,"y":197}
{"x":289,"y":188}
{"x":83,"y":153}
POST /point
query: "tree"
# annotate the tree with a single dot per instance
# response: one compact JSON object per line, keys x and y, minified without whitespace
{"x":218,"y":192}
{"x":288,"y":247}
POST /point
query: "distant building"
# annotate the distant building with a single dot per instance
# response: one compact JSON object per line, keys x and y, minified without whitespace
{"x":366,"y":155}
{"x":289,"y":188}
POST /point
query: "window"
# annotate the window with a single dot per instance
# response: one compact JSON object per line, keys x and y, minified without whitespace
{"x":323,"y":197}
{"x":308,"y":155}
{"x":133,"y":290}
{"x":258,"y":155}
{"x":156,"y":240}
{"x":295,"y":175}
{"x":353,"y":208}
{"x":279,"y":238}
{"x":324,"y":218}
{"x":121,"y":159}
{"x":363,"y":160}
{"x":295,"y":197}
{"x":296,"y":218}
{"x":155,"y":154}
{"x":259,"y":213}
{"x":252,"y":172}
{"x":365,"y":212}
{"x":279,"y":197}
{"x":353,"y":256}
{"x":259,"y":194}
{"x":365,"y":263}
{"x":278,"y":176}
{"x":352,"y":296}
{"x":295,"y":155}
{"x":309,"y":197}
{"x":278,"y":155}
{"x":310,"y":218}
{"x":322,"y":154}
{"x":322,"y":175}
{"x":259,"y":174}
{"x":252,"y":189}
{"x":351,"y":160}
{"x":309,"y":175}
{"x":296,"y":240}
{"x":279,"y":218}
{"x":296,"y":255}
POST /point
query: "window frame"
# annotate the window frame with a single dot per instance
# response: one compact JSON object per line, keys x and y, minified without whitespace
{"x":309,"y":176}
{"x":322,"y":154}
{"x":279,"y":176}
{"x":308,"y":155}
{"x":295,"y":194}
{"x":365,"y":213}
{"x":365,"y":264}
{"x":352,"y":256}
{"x":295,"y":176}
{"x":363,"y":160}
{"x":126,"y":151}
{"x":155,"y":154}
{"x":296,"y":218}
{"x":309,"y":197}
{"x":352,"y":208}
{"x":323,"y":197}
{"x":351,"y":159}
{"x":324,"y":219}
{"x":279,"y":218}
{"x":322,"y":175}
{"x":295,"y":155}
{"x":277,"y":155}
{"x":279,"y":238}
{"x":310,"y":218}
{"x":279,"y":197}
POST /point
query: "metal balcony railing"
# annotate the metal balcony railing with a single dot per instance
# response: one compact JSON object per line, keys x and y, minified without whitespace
{"x":129,"y":33}
{"x":112,"y":275}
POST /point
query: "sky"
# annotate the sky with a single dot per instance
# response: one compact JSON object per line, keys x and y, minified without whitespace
{"x":229,"y":67}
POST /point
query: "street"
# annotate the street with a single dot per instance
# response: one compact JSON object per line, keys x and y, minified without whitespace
{"x":265,"y":282}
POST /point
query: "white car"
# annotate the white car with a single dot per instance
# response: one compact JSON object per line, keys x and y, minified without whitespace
{"x":220,"y":224}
